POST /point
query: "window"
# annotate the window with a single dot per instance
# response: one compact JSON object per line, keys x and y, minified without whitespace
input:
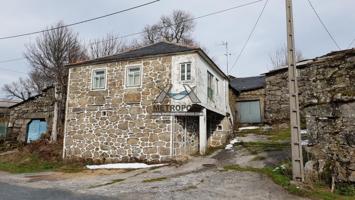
{"x":217,"y":85}
{"x":210,"y":88}
{"x":99,"y":79}
{"x":185,"y":71}
{"x":133,"y":76}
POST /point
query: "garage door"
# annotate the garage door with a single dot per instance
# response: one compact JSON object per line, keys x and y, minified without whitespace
{"x":249,"y":111}
{"x":35,"y":130}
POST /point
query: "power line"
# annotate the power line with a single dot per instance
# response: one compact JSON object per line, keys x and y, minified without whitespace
{"x":10,"y":70}
{"x":323,"y":24}
{"x":187,"y":20}
{"x":141,"y":32}
{"x":351,"y":43}
{"x":12,"y":60}
{"x":79,"y":22}
{"x":250,"y":35}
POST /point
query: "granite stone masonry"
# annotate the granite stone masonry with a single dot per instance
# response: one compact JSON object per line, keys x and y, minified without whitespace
{"x":116,"y":124}
{"x":327,"y":103}
{"x":37,"y":107}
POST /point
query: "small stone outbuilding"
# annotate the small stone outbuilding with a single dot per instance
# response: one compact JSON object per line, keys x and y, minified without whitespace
{"x":249,"y":103}
{"x":32,"y":118}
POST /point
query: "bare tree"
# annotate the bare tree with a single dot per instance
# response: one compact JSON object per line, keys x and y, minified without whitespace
{"x":106,"y":46}
{"x":52,"y":51}
{"x":176,"y":28}
{"x":19,"y":89}
{"x":48,"y":56}
{"x":24,"y":88}
{"x":279,"y":57}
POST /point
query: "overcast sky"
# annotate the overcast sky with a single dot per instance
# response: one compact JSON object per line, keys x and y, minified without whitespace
{"x":20,"y":16}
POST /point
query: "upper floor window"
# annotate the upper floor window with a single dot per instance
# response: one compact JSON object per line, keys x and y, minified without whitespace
{"x":99,"y":79}
{"x":210,"y":88}
{"x":185,"y":71}
{"x":217,"y":86}
{"x":133,"y":76}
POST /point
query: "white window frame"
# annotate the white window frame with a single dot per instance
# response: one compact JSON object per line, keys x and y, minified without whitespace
{"x":185,"y":70}
{"x":126,"y":76}
{"x":92,"y":78}
{"x":211,"y":87}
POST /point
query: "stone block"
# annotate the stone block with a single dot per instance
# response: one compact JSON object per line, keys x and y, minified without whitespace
{"x":132,"y":141}
{"x":132,"y":98}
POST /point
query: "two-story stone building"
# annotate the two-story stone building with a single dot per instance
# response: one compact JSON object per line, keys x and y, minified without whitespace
{"x":155,"y":103}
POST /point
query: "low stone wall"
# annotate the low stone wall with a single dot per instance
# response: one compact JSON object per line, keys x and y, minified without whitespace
{"x":38,"y":107}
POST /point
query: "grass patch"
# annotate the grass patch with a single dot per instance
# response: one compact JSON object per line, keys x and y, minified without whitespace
{"x":281,"y":177}
{"x":38,"y":157}
{"x":259,"y":147}
{"x":274,"y":135}
{"x":28,"y":164}
{"x":257,"y":131}
{"x":109,"y":183}
{"x":280,"y":135}
{"x":154,"y":180}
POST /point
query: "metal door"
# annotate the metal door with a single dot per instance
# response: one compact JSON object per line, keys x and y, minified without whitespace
{"x":249,"y":111}
{"x":3,"y":129}
{"x":35,"y":130}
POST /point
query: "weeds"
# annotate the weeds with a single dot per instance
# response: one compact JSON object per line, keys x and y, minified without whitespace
{"x":105,"y":184}
{"x":154,"y":180}
{"x":282,"y":176}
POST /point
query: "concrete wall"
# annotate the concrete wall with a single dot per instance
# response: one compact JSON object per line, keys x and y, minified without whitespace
{"x":199,"y":70}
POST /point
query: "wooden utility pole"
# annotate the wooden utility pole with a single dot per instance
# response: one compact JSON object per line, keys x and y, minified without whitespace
{"x":297,"y":158}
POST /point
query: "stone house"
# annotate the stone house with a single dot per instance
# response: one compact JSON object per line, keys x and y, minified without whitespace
{"x":155,"y":104}
{"x":32,"y":118}
{"x":249,"y":104}
{"x":4,"y":115}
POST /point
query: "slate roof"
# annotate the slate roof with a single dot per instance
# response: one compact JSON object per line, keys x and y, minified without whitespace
{"x":6,"y":103}
{"x":150,"y":50}
{"x":248,"y":83}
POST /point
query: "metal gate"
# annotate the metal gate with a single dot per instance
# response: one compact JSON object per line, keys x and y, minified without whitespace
{"x":35,"y":129}
{"x":249,"y":111}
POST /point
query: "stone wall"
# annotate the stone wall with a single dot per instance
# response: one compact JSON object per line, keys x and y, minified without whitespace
{"x":276,"y":98}
{"x":329,"y":106}
{"x":233,"y":95}
{"x":116,"y":124}
{"x":38,"y":107}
